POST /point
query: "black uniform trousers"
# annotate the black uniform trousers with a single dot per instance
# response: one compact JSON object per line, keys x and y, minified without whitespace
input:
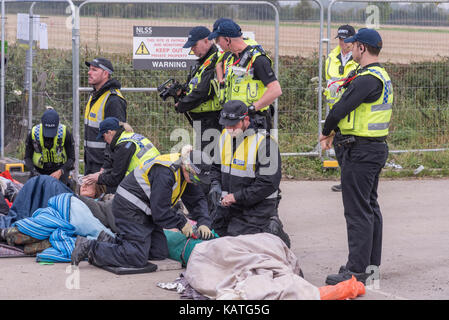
{"x":362,"y":163}
{"x":139,"y":239}
{"x":211,"y":121}
{"x":338,"y":149}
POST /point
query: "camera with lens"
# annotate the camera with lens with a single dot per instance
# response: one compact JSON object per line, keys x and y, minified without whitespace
{"x":170,"y":88}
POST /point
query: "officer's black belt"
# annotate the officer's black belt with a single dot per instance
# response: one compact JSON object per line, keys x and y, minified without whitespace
{"x":346,"y":140}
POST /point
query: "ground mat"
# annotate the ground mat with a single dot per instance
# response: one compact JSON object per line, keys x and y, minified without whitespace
{"x":150,"y":267}
{"x":7,"y":251}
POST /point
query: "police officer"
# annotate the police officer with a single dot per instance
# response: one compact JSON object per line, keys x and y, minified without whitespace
{"x":248,"y":74}
{"x":339,"y":64}
{"x":201,"y":101}
{"x":363,"y":116}
{"x":245,"y":184}
{"x":127,"y":151}
{"x":106,"y":100}
{"x":49,"y":148}
{"x":223,"y":55}
{"x":143,"y":206}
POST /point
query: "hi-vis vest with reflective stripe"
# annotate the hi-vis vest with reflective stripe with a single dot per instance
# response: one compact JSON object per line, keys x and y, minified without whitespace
{"x":240,"y":165}
{"x":144,"y":149}
{"x":333,"y":74}
{"x":141,"y":176}
{"x":43,"y":155}
{"x":211,"y":104}
{"x":94,"y":114}
{"x":371,"y":119}
{"x":241,"y":85}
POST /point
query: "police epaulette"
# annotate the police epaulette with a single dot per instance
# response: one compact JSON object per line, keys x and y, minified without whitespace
{"x":113,"y":91}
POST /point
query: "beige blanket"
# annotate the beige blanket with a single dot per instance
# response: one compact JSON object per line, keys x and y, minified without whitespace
{"x":251,"y":267}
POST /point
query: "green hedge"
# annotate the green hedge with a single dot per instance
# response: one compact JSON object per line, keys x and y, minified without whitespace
{"x":420,"y":115}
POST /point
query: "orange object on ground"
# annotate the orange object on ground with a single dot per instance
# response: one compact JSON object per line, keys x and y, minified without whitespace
{"x":348,"y":289}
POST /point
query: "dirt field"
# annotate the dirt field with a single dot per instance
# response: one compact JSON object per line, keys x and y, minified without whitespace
{"x":415,"y":256}
{"x":401,"y":43}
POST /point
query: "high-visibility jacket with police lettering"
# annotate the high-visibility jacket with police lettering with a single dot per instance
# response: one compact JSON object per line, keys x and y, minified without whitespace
{"x":212,"y":104}
{"x":56,"y":154}
{"x":334,"y":73}
{"x":144,"y":149}
{"x":141,"y":196}
{"x":239,"y":81}
{"x":371,"y":119}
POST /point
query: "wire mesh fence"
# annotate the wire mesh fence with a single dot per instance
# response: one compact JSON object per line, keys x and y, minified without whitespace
{"x":415,"y":39}
{"x":51,"y":70}
{"x":107,"y":30}
{"x":415,"y":54}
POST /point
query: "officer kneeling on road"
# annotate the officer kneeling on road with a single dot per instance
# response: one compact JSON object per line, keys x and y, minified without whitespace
{"x":126,"y":151}
{"x":49,"y":148}
{"x":143,"y":207}
{"x":245,"y":184}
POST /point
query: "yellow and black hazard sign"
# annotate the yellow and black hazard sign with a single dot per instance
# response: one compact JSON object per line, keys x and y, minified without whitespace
{"x":142,"y":49}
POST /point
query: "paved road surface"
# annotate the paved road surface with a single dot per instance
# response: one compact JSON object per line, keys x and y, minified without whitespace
{"x":415,"y":250}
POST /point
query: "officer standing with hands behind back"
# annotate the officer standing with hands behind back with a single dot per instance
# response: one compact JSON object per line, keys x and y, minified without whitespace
{"x":362,"y":115}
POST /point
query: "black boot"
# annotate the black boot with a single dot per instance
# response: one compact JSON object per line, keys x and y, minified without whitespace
{"x":81,"y":250}
{"x":344,"y":275}
{"x":336,"y":188}
{"x":275,"y":227}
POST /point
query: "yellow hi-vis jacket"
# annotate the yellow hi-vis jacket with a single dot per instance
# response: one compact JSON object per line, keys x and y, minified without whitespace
{"x":371,"y":119}
{"x":93,"y":115}
{"x":144,"y":149}
{"x":239,"y":81}
{"x":333,"y":75}
{"x":141,"y":175}
{"x":211,"y":104}
{"x":43,"y":155}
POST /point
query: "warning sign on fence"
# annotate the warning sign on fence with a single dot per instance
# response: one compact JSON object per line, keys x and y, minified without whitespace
{"x":142,"y":49}
{"x":160,"y":48}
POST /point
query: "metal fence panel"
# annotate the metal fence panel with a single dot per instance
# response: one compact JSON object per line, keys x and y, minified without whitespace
{"x":415,"y":54}
{"x":106,"y":29}
{"x":51,"y":71}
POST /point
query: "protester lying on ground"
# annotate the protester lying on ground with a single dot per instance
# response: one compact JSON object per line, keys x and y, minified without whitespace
{"x":180,"y":247}
{"x":262,"y":268}
{"x":56,"y":225}
{"x":125,"y":151}
{"x":34,"y":194}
